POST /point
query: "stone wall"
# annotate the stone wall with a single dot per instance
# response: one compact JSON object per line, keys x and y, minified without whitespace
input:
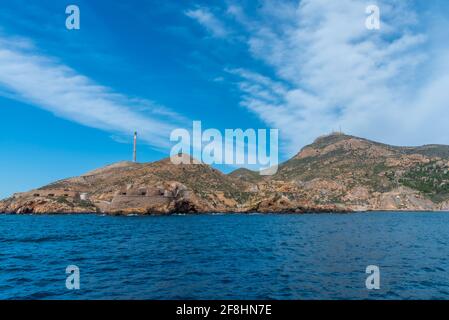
{"x":49,"y":193}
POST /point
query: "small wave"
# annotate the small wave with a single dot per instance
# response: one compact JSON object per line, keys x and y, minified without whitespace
{"x":41,"y":239}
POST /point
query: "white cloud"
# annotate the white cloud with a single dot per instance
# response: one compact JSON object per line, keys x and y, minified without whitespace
{"x":331,"y":71}
{"x":207,"y":19}
{"x":52,"y":86}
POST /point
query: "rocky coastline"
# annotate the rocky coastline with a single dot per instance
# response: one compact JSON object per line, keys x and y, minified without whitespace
{"x":336,"y":173}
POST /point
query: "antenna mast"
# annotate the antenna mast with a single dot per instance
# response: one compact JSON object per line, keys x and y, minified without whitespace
{"x":134,"y":150}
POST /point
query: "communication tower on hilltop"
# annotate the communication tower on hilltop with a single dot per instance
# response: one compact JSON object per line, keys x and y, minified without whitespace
{"x":135,"y":147}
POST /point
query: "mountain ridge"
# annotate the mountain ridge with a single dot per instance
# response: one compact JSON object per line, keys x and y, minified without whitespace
{"x":335,"y":173}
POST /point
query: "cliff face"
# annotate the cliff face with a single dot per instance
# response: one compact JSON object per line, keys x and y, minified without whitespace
{"x":335,"y":173}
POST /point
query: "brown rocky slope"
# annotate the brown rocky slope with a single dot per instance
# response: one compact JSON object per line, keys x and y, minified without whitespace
{"x":335,"y":173}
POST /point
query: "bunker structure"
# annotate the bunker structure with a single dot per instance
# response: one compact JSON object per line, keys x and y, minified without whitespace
{"x":50,"y":193}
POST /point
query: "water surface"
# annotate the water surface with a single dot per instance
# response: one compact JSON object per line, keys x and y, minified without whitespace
{"x":313,"y":256}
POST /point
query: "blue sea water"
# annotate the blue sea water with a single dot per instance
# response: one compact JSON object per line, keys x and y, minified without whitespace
{"x":313,"y":256}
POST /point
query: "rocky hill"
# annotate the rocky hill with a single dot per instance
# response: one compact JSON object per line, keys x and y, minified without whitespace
{"x":335,"y":173}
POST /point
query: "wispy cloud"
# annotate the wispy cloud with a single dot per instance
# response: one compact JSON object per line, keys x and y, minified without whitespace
{"x":330,"y":71}
{"x":207,"y":19}
{"x":53,"y":86}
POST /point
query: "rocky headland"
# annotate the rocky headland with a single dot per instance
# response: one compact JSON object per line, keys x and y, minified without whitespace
{"x":336,"y":173}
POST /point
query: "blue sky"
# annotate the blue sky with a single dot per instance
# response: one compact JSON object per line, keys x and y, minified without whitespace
{"x":71,"y":99}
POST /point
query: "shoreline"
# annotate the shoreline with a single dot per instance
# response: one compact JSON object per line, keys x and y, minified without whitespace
{"x":218,"y":213}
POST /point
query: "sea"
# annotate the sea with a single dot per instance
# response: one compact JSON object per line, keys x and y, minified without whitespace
{"x":232,"y":256}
